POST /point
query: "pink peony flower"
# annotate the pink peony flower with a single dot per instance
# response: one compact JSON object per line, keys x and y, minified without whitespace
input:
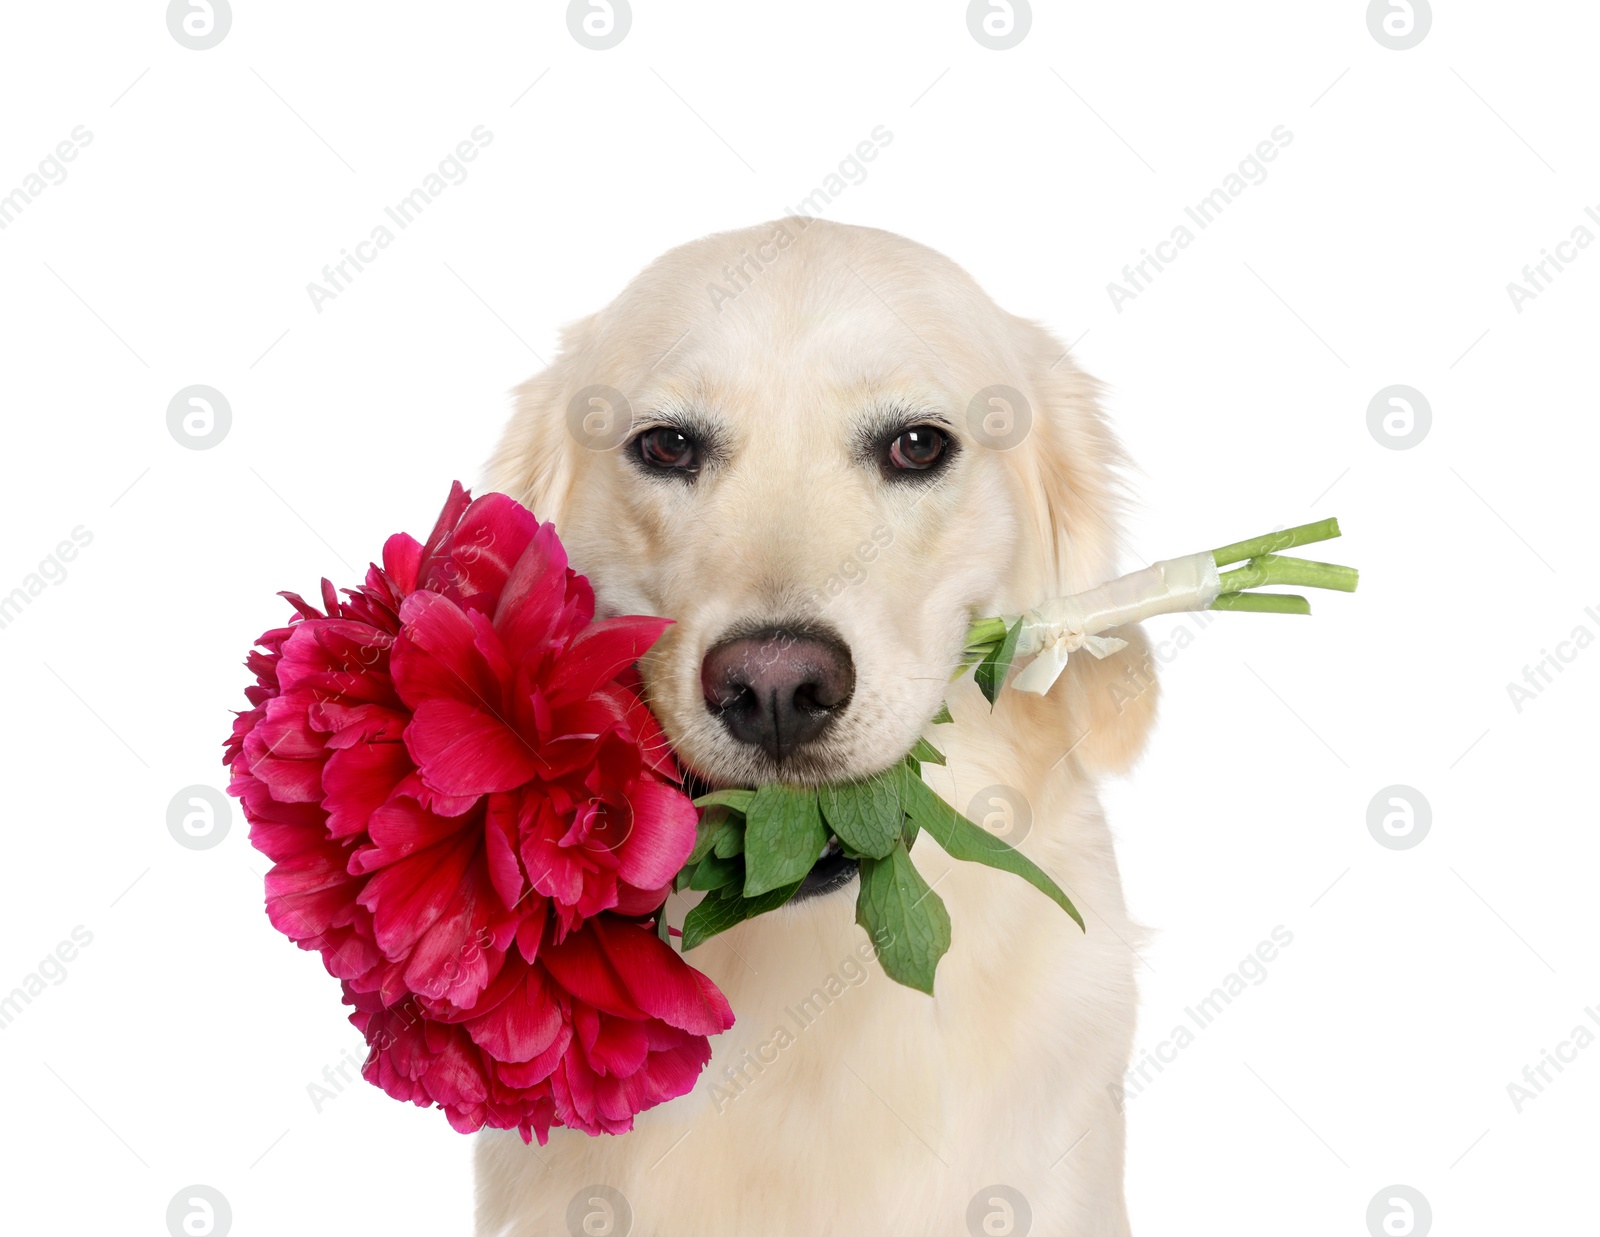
{"x":454,"y":774}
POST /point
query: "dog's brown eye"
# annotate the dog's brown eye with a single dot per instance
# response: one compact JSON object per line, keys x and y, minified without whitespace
{"x":918,"y":449}
{"x":667,"y":448}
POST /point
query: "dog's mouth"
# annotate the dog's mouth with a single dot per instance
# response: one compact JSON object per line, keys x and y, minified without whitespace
{"x":833,"y":871}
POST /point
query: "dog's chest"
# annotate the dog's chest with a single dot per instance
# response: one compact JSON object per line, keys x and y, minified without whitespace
{"x":841,"y":1100}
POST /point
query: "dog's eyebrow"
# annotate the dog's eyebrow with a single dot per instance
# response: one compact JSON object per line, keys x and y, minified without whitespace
{"x":676,"y":415}
{"x":881,"y":419}
{"x":690,"y":420}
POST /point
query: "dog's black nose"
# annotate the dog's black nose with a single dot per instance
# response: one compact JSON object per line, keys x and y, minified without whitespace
{"x":778,"y":689}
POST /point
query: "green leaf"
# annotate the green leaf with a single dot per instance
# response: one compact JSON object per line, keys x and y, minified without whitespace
{"x":908,"y":833}
{"x":714,"y":873}
{"x":866,"y":814}
{"x":715,"y":822}
{"x":961,"y":839}
{"x":738,"y":800}
{"x":942,"y":716}
{"x":906,"y":920}
{"x":783,"y":837}
{"x":991,"y":671}
{"x":730,"y":841}
{"x":927,"y":752}
{"x":680,"y":882}
{"x":727,"y":908}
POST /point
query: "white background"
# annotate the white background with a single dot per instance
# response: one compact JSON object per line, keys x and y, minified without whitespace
{"x":1418,"y":183}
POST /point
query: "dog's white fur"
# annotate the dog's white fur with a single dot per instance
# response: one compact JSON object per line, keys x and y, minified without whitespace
{"x":889,"y":1111}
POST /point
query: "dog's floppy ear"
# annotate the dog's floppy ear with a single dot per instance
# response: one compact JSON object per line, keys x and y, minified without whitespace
{"x":534,"y":462}
{"x":1067,"y":467}
{"x":1067,"y":463}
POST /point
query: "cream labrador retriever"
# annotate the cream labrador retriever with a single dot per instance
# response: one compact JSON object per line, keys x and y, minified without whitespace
{"x":823,"y":450}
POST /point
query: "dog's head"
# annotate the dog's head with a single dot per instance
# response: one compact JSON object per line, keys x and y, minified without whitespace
{"x":823,"y":451}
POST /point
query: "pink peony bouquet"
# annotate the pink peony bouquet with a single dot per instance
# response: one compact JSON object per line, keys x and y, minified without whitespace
{"x":475,"y":820}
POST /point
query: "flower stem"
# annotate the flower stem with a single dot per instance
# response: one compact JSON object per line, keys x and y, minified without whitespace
{"x":986,"y":631}
{"x":1263,"y":603}
{"x":1265,"y":569}
{"x":1263,"y":566}
{"x":1271,"y":543}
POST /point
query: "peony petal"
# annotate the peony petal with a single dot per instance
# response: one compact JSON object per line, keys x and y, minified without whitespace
{"x":337,"y":657}
{"x":437,"y":654}
{"x":475,"y":558}
{"x":633,"y":902}
{"x":402,"y":555}
{"x":310,"y":892}
{"x":532,"y":608}
{"x":658,"y":980}
{"x":561,"y":874}
{"x":399,"y":828}
{"x":500,"y":833}
{"x":348,"y":954}
{"x":461,"y":750}
{"x":358,"y":780}
{"x":530,"y":931}
{"x":524,"y":1025}
{"x":451,"y":961}
{"x":288,"y":781}
{"x":537,"y":1069}
{"x":663,"y":834}
{"x":449,"y":516}
{"x":344,"y":724}
{"x":439,"y":804}
{"x":671,"y":1073}
{"x":409,"y":897}
{"x":284,"y":730}
{"x":620,"y":1048}
{"x":573,"y":1088}
{"x":601,"y":652}
{"x":277,"y":829}
{"x":455,"y":1077}
{"x":579,"y":965}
